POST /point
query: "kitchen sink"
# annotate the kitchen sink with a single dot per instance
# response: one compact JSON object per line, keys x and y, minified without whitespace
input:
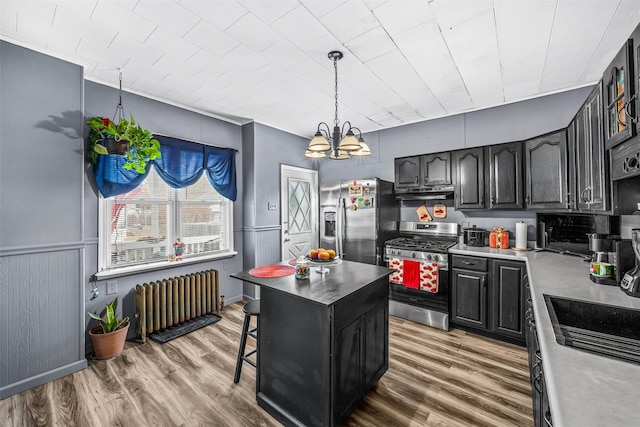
{"x":598,"y":328}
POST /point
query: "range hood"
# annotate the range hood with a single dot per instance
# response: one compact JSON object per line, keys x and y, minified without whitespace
{"x":425,"y":193}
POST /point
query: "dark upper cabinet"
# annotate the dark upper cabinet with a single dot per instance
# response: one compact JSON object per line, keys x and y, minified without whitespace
{"x":436,"y":169}
{"x":407,"y":171}
{"x":469,"y":187}
{"x":505,"y":176}
{"x":591,"y":181}
{"x":546,"y":172}
{"x":619,"y":110}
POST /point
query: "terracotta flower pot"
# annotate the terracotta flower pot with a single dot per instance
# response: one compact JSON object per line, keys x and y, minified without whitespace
{"x":106,"y":346}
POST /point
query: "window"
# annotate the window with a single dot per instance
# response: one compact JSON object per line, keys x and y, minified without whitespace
{"x":141,"y":226}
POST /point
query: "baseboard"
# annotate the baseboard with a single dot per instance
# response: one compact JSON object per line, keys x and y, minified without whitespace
{"x":31,"y":382}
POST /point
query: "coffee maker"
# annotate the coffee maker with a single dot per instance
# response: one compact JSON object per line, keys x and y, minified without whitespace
{"x":631,"y":281}
{"x":611,"y":257}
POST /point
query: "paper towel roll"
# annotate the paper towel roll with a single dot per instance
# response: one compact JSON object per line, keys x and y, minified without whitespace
{"x":521,"y":235}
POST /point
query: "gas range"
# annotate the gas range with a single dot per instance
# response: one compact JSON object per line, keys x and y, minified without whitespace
{"x":423,"y":241}
{"x":419,"y":285}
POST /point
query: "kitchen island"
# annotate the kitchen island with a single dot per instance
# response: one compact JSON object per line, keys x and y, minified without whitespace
{"x":323,"y":342}
{"x":584,"y":389}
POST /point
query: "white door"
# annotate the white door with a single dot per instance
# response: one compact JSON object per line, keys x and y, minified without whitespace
{"x":299,"y":211}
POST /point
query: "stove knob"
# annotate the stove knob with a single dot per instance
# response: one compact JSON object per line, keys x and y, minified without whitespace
{"x":429,"y":256}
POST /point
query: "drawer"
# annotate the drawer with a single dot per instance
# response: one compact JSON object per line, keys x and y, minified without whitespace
{"x":470,"y":263}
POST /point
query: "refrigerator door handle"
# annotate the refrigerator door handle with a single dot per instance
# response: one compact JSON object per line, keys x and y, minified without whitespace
{"x":340,"y":227}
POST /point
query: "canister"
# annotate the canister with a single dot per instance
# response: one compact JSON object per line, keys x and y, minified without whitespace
{"x":601,"y":269}
{"x":499,"y":238}
{"x":302,"y":268}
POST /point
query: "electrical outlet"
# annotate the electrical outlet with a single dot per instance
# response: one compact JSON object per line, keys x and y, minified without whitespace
{"x":112,"y":287}
{"x":271,"y":206}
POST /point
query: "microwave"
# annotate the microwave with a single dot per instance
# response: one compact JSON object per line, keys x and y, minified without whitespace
{"x":569,"y":232}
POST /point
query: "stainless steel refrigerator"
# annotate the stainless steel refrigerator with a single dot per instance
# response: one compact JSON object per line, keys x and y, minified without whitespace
{"x":357,"y":217}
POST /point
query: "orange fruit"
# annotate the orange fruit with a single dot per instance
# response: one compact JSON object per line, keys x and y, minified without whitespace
{"x":324,"y":256}
{"x":313,"y":253}
{"x":332,"y":253}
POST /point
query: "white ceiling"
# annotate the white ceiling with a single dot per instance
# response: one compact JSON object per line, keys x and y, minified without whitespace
{"x":266,"y":60}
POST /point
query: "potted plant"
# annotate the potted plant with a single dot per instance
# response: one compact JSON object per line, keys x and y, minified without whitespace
{"x":109,"y":336}
{"x":124,"y":138}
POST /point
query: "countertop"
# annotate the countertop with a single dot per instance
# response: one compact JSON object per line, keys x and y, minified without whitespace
{"x":584,"y":389}
{"x":341,"y":280}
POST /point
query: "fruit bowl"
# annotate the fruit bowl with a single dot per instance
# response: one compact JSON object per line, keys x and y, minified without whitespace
{"x":321,"y":261}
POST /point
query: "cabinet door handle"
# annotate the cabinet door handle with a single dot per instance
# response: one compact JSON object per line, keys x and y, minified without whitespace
{"x":583,"y":195}
{"x":469,"y":262}
{"x":481,"y":200}
{"x":536,"y":383}
{"x":484,"y":282}
{"x":493,"y":200}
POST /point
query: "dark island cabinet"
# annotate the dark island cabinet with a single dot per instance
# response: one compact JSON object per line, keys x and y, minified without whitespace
{"x":488,"y":295}
{"x":361,"y":347}
{"x":505,"y":176}
{"x":469,"y":187}
{"x":586,"y":132}
{"x":407,"y":172}
{"x":436,"y":169}
{"x":546,"y":172}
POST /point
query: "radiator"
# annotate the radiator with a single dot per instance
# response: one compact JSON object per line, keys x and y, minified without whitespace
{"x":170,"y":302}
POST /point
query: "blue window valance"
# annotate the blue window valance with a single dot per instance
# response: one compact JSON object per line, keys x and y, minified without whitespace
{"x":182,"y":164}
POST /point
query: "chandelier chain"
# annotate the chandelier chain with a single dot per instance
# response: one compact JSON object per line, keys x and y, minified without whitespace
{"x":335,"y":67}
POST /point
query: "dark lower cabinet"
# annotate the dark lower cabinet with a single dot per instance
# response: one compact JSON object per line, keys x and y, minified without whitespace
{"x":539,"y":398}
{"x":487,"y":294}
{"x":469,"y":299}
{"x":508,"y":297}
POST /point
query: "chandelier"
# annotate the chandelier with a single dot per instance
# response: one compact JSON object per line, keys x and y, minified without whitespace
{"x":324,"y":139}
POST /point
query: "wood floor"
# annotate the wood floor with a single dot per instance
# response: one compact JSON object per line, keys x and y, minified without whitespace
{"x":435,"y":378}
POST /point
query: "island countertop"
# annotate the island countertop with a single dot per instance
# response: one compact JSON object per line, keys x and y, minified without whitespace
{"x":327,"y":289}
{"x":584,"y":389}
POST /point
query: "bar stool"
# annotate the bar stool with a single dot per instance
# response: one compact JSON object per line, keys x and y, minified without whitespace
{"x":251,"y":308}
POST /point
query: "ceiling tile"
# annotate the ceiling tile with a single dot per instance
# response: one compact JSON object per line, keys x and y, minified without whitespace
{"x":300,"y":27}
{"x":253,"y":33}
{"x":167,"y":14}
{"x":370,"y":45}
{"x":409,"y":14}
{"x":222,"y":14}
{"x":349,"y":20}
{"x":285,"y":54}
{"x":172,"y":45}
{"x":211,"y":39}
{"x":269,"y":11}
{"x":319,"y":8}
{"x":205,"y":60}
{"x":114,"y":15}
{"x":246,"y":59}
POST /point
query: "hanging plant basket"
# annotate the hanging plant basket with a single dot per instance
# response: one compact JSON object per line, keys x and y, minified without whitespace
{"x":126,"y":138}
{"x":118,"y":148}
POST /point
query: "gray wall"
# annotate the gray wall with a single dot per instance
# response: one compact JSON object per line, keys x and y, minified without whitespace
{"x":41,"y":227}
{"x":161,"y":118}
{"x":507,"y":123}
{"x":265,"y":149}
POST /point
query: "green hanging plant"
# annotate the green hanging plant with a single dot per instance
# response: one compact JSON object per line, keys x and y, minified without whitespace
{"x":136,"y":144}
